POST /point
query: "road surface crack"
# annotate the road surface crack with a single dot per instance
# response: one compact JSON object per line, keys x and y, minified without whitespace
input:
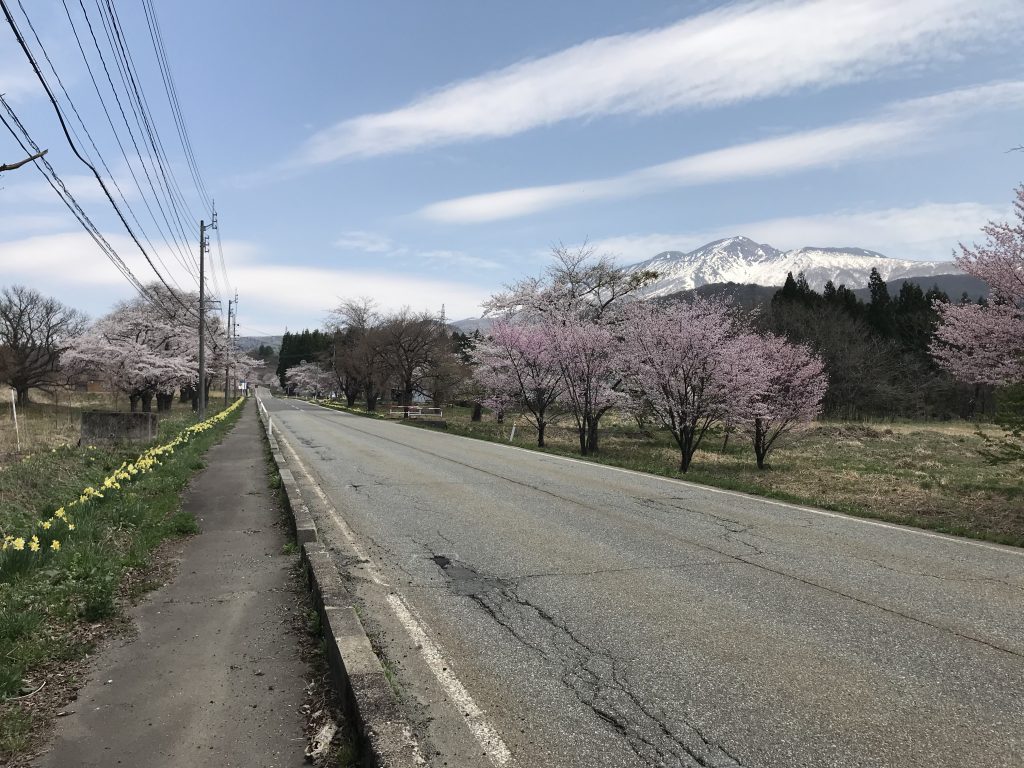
{"x":591,"y":674}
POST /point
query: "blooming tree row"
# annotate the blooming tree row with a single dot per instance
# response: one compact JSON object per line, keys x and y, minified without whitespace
{"x":150,"y":349}
{"x":579,"y":341}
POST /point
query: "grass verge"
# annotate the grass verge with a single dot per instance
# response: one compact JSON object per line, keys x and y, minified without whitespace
{"x":56,"y":604}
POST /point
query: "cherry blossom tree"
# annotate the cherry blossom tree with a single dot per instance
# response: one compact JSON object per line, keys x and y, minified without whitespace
{"x":517,"y":365}
{"x":309,"y":379}
{"x":149,"y":347}
{"x":687,"y":364}
{"x":496,"y":386}
{"x":139,"y":351}
{"x":787,"y":383}
{"x":985,"y":345}
{"x":578,"y":282}
{"x":980,"y":345}
{"x":580,"y":298}
{"x":585,"y":353}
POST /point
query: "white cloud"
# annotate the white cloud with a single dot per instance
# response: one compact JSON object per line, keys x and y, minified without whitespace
{"x":733,"y":54}
{"x":71,"y":267}
{"x":28,"y":187}
{"x":307,"y":292}
{"x":376,"y":243}
{"x":901,"y":125}
{"x":925,"y":232}
{"x":24,"y":223}
{"x":368,"y":242}
{"x":16,"y":76}
{"x":457,"y":259}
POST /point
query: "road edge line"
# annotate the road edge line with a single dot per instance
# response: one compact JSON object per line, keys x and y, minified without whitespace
{"x":357,"y":674}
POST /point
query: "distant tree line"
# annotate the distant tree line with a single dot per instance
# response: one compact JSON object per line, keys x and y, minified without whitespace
{"x":876,"y":352}
{"x":397,"y":357}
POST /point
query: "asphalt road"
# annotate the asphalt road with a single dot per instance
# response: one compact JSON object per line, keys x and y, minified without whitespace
{"x":599,"y":617}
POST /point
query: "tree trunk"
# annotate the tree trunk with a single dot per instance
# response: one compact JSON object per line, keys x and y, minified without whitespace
{"x":760,"y":449}
{"x":478,"y":412}
{"x":350,"y":398}
{"x":541,"y":425}
{"x":22,"y":395}
{"x":592,"y":437}
{"x":371,"y":401}
{"x":500,"y":416}
{"x":684,"y":440}
{"x":583,"y":441}
{"x":147,"y":402}
{"x":133,"y":400}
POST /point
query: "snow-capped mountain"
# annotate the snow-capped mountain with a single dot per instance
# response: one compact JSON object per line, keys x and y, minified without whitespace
{"x":741,"y":260}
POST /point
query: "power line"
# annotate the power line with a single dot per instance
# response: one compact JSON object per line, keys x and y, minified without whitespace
{"x":174,"y":243}
{"x":85,"y":129}
{"x":26,"y":142}
{"x":67,"y":135}
{"x":156,"y":36}
{"x":135,"y":96}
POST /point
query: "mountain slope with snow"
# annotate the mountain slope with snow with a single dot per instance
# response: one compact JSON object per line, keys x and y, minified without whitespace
{"x":741,"y":260}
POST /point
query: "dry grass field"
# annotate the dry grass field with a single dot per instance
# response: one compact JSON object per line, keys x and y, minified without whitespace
{"x":929,"y":475}
{"x":52,"y":419}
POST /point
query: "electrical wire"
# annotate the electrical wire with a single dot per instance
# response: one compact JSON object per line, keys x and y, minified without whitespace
{"x":26,"y":142}
{"x":85,"y":129}
{"x":74,"y":148}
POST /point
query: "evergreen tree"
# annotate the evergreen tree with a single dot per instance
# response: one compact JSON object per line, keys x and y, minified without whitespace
{"x":880,"y":313}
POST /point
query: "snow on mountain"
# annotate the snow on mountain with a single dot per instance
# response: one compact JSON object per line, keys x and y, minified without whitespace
{"x":741,"y":260}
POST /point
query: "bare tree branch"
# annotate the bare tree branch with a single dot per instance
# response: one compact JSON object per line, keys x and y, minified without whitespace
{"x":13,"y":166}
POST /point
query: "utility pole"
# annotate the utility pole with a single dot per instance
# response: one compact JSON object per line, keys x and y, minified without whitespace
{"x":202,"y":310}
{"x":233,"y":333}
{"x":202,"y":320}
{"x":227,"y":355}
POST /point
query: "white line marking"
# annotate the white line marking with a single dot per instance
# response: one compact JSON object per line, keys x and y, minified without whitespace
{"x":487,"y":737}
{"x":748,"y":496}
{"x":485,"y":734}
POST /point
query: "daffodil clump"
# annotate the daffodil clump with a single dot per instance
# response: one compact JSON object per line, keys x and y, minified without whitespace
{"x":51,"y":531}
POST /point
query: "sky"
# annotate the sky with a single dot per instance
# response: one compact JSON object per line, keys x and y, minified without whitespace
{"x":425,"y":154}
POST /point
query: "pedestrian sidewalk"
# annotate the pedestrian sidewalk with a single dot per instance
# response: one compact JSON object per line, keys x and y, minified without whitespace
{"x":214,"y":677}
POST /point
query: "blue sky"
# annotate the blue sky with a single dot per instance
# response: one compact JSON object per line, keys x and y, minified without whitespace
{"x":427,"y":153}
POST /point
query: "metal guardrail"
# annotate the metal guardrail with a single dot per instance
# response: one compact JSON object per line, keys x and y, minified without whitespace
{"x":415,"y":411}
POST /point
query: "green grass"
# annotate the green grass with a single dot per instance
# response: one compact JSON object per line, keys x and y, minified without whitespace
{"x":929,"y":475}
{"x":50,"y":599}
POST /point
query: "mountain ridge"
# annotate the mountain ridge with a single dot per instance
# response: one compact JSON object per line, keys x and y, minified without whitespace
{"x":741,"y":260}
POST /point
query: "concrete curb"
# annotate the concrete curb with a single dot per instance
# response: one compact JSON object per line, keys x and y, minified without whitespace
{"x":364,"y":689}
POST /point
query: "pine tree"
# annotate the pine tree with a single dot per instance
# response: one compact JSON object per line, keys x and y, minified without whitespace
{"x":880,"y":310}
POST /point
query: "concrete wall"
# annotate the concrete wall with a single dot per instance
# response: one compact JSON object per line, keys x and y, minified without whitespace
{"x":108,"y":427}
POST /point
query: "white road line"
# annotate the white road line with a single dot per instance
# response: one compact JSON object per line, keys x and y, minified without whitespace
{"x":748,"y":496}
{"x":484,"y":733}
